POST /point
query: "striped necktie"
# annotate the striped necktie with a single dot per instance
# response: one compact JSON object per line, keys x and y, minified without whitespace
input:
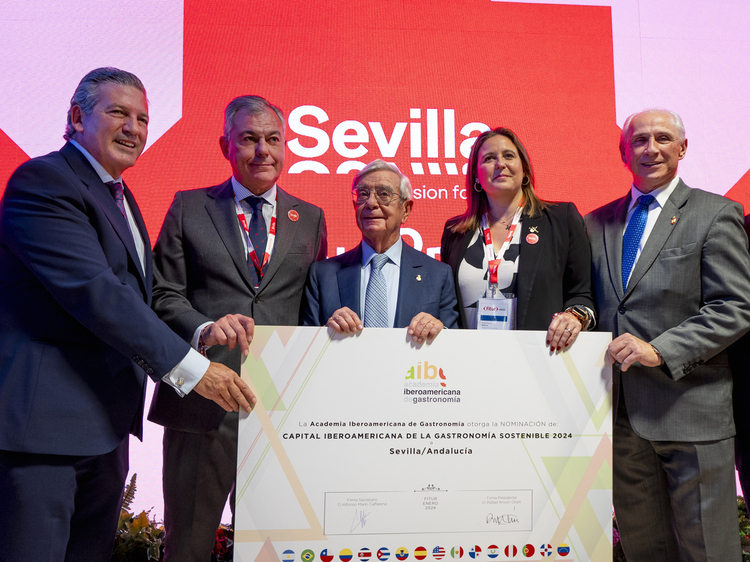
{"x":376,"y":296}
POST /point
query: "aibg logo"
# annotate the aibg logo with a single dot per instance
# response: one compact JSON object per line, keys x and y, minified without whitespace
{"x":427,"y":372}
{"x":426,"y":384}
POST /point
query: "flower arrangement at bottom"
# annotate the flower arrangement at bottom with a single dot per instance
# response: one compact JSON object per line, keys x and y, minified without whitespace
{"x":138,"y":537}
{"x":744,"y":528}
{"x":224,"y":545}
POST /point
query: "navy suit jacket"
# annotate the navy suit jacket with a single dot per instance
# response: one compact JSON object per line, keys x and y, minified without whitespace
{"x":425,"y":285}
{"x":77,"y":335}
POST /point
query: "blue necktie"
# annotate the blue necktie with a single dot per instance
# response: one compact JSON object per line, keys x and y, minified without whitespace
{"x":632,"y":239}
{"x":376,"y":296}
{"x":257,"y":234}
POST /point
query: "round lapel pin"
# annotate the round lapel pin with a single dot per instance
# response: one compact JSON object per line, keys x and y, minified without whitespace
{"x":532,"y":238}
{"x":293,"y":215}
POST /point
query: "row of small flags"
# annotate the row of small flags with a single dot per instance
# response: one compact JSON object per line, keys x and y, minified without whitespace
{"x":420,"y":553}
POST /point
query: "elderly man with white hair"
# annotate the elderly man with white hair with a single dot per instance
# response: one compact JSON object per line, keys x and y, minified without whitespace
{"x":382,"y":283}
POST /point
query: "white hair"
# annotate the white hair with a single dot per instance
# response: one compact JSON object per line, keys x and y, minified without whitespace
{"x":381,"y":165}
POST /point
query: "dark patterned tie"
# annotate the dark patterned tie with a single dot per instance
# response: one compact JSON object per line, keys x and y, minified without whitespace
{"x":118,"y":194}
{"x":632,"y":238}
{"x":376,"y":296}
{"x":257,"y":234}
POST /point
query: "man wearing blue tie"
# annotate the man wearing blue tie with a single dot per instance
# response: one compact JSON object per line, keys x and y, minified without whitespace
{"x":672,"y":280}
{"x":382,"y":283}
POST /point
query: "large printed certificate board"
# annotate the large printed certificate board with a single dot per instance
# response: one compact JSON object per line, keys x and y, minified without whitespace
{"x":479,"y":446}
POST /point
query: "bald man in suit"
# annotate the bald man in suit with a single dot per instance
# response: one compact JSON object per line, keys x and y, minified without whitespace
{"x":739,"y":359}
{"x":672,"y":282}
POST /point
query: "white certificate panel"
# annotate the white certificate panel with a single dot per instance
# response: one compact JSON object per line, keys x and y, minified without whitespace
{"x":480,"y":445}
{"x":427,"y":511}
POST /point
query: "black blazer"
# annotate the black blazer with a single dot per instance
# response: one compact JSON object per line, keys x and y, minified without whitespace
{"x":553,"y":274}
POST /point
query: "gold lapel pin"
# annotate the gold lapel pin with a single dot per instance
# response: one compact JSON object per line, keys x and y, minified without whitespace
{"x":674,"y":220}
{"x":419,"y":277}
{"x":534,"y":229}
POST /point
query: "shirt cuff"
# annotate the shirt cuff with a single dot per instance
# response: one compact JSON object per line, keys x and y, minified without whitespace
{"x":187,"y":373}
{"x":194,"y":343}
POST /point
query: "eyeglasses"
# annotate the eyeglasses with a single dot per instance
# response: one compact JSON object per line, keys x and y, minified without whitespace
{"x":384,"y":196}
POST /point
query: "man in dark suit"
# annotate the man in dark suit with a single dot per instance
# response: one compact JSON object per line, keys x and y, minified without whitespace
{"x":228,"y":257}
{"x":672,"y":282}
{"x":739,"y":360}
{"x":382,"y":281}
{"x":77,"y":335}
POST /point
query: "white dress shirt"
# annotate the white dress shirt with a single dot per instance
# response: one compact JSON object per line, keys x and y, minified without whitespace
{"x":240,"y":192}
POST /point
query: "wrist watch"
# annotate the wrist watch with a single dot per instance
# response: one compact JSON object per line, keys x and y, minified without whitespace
{"x":580,"y":313}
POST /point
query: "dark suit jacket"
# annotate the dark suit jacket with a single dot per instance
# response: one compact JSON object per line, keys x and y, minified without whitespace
{"x":688,"y":296}
{"x":425,"y":285}
{"x":201,"y":274}
{"x":553,"y":274}
{"x":77,"y":335}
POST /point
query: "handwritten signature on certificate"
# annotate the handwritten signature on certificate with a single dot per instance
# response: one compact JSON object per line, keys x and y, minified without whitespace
{"x":501,"y":519}
{"x":360,"y":519}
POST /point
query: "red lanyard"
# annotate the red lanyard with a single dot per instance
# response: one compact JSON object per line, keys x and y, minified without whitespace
{"x":493,"y":260}
{"x":250,"y":248}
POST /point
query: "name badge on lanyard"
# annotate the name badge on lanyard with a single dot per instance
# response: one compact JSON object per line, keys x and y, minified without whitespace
{"x":497,"y":311}
{"x":252,"y":253}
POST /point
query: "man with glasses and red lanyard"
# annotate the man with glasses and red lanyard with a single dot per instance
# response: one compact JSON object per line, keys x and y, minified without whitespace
{"x":228,"y":257}
{"x":382,"y":283}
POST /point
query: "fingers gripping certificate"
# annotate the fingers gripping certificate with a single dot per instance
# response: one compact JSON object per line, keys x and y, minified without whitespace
{"x":480,"y":445}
